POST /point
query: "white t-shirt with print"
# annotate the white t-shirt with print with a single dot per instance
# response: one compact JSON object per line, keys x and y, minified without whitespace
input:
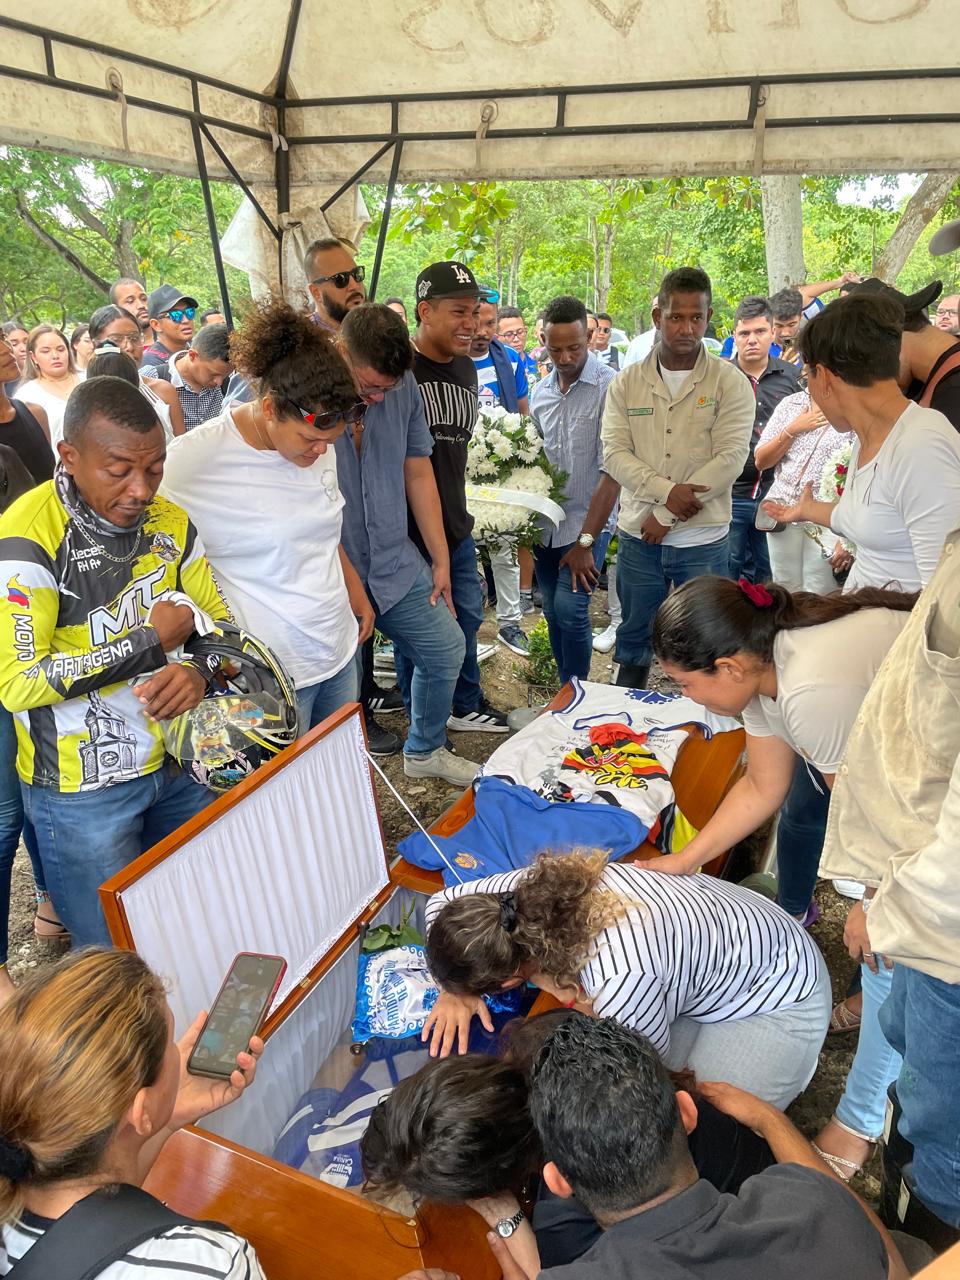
{"x":271,"y":532}
{"x":823,"y":674}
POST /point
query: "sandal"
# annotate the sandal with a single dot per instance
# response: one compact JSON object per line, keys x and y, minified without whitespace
{"x":845,"y":1169}
{"x":843,"y":1019}
{"x":55,"y":931}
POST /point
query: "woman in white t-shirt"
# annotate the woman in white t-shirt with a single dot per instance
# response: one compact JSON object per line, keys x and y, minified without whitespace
{"x":49,"y":376}
{"x":797,"y":667}
{"x":902,"y":490}
{"x":92,"y":1084}
{"x":260,"y":484}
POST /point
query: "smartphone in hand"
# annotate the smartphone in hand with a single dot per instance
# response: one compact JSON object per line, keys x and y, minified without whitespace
{"x":238,"y":1012}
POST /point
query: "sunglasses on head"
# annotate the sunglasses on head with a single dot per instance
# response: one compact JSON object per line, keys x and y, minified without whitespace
{"x":324,"y":421}
{"x":340,"y":279}
{"x":179,"y":314}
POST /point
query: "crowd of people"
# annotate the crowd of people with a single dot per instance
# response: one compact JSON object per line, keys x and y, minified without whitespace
{"x":304,"y":477}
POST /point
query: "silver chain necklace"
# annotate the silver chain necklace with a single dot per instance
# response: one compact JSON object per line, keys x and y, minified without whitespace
{"x":101,"y":549}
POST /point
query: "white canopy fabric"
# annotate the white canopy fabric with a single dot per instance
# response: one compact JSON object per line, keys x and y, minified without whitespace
{"x":578,"y":87}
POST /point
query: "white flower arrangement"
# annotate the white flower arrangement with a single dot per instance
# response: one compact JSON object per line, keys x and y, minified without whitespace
{"x":506,"y":452}
{"x":834,"y":476}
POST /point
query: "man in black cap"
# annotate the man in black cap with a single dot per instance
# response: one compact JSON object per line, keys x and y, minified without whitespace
{"x":929,"y":357}
{"x":447,"y":308}
{"x":170,"y":312}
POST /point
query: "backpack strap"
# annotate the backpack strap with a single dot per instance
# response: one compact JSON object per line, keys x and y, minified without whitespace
{"x":97,"y":1231}
{"x":952,"y":362}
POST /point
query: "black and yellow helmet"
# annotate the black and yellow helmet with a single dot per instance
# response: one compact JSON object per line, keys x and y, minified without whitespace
{"x":248,"y":715}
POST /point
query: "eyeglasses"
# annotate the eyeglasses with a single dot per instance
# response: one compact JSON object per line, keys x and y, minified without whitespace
{"x":324,"y":421}
{"x":366,"y":392}
{"x":340,"y":279}
{"x":120,"y":340}
{"x":947,"y":311}
{"x":179,"y":314}
{"x":511,"y":335}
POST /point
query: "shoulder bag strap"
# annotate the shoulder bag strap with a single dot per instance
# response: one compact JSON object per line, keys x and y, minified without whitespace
{"x":97,"y":1231}
{"x":952,"y":362}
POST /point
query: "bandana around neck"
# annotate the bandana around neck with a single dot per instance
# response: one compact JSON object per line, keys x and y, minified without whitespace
{"x":84,"y":514}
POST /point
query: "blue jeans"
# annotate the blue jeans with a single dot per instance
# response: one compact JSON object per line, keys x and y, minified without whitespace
{"x":85,"y":837}
{"x":748,"y":544}
{"x":921,"y":1019}
{"x":800,"y":832}
{"x":876,"y":1064}
{"x":567,"y":611}
{"x":645,"y":574}
{"x":428,"y":649}
{"x":317,"y":701}
{"x":11,"y":825}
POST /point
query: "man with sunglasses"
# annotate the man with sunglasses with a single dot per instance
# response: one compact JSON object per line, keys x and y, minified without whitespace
{"x":171,"y":314}
{"x":334,"y":281}
{"x":605,"y":353}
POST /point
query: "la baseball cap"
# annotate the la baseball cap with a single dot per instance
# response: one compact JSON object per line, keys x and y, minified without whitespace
{"x":947,"y":238}
{"x":911,"y":302}
{"x":165,"y":298}
{"x":451,"y":280}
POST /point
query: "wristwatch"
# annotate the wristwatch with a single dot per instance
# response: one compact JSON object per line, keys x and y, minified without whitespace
{"x":586,"y":540}
{"x":507,"y":1226}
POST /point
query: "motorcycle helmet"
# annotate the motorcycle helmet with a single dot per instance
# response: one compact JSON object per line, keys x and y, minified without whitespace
{"x":248,"y":715}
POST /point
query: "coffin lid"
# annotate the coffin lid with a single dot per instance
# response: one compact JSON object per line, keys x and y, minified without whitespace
{"x":289,"y":863}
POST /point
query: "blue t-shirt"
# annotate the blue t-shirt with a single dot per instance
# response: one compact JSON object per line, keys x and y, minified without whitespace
{"x":488,"y":387}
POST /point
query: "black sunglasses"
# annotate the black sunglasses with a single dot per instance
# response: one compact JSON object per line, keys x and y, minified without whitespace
{"x":339,"y":279}
{"x":323,"y":421}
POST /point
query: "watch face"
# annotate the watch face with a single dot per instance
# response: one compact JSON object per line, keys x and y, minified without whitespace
{"x":505,"y":1228}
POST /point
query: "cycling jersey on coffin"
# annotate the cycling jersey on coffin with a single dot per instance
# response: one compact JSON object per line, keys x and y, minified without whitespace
{"x":73,"y":604}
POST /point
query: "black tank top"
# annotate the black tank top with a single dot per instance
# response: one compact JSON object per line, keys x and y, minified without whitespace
{"x":24,"y":434}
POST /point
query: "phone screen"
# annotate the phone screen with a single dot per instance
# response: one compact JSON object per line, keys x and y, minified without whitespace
{"x":237,"y":1013}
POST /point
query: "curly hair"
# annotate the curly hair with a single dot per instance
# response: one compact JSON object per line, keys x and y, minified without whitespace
{"x":290,"y":358}
{"x":556,"y":911}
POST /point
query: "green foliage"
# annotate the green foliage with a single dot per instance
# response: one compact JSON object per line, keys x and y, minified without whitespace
{"x":386,"y":936}
{"x":70,"y":227}
{"x":539,"y":668}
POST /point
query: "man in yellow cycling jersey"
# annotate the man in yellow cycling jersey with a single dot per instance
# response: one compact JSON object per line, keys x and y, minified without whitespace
{"x":101,"y":582}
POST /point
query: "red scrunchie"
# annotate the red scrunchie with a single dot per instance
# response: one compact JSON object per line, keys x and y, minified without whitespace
{"x":756,"y":594}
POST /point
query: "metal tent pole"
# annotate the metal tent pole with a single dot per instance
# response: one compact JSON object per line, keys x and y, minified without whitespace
{"x":212,"y":223}
{"x":282,"y":160}
{"x":385,"y":219}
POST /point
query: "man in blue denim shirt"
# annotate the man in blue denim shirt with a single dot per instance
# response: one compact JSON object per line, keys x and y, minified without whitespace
{"x":381,"y":468}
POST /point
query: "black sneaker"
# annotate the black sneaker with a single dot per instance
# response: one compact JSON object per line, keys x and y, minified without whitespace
{"x":385,"y":700}
{"x":511,"y":636}
{"x":526,"y":603}
{"x":485,"y":719}
{"x":380,"y":741}
{"x":537,"y":596}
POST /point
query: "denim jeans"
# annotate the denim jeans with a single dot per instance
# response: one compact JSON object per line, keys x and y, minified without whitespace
{"x":468,"y":602}
{"x":645,"y":574}
{"x":921,"y":1020}
{"x":800,"y":832}
{"x":11,"y":824}
{"x":84,"y":837}
{"x":317,"y":701}
{"x":748,"y":544}
{"x":876,"y":1063}
{"x":567,"y":611}
{"x":428,"y":649}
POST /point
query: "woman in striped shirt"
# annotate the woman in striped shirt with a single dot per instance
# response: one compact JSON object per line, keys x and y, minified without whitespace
{"x":92,"y":1084}
{"x":720,"y":979}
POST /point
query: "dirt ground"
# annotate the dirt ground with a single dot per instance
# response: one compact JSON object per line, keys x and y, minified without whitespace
{"x":429,"y":798}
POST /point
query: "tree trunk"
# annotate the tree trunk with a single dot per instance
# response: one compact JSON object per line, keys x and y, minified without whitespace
{"x":591,"y":304}
{"x":925,"y":202}
{"x":783,"y":230}
{"x":515,"y":259}
{"x":606,"y":266}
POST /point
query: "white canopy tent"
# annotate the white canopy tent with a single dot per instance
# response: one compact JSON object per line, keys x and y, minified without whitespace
{"x":298,"y":100}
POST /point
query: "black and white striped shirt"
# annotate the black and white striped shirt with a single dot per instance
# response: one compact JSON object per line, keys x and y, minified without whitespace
{"x":690,"y":946}
{"x":182,"y":1252}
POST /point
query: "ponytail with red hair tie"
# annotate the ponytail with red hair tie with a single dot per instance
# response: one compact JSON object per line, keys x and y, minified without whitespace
{"x":755,"y":593}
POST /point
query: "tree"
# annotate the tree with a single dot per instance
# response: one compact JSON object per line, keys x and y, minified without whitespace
{"x":923,"y":205}
{"x":783,"y":230}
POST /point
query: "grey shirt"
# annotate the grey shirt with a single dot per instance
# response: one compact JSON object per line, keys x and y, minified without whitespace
{"x":375,"y":512}
{"x":570,"y":425}
{"x":788,"y":1221}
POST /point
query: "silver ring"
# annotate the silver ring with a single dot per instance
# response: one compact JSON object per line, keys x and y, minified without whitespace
{"x":868,"y":953}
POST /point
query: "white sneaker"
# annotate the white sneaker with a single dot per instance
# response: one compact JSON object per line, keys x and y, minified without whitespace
{"x":604,"y":641}
{"x":849,"y":889}
{"x":485,"y":651}
{"x":441,"y":764}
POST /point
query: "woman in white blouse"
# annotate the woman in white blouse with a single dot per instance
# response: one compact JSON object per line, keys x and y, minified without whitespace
{"x":799,"y":441}
{"x":902,"y":492}
{"x":49,"y":376}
